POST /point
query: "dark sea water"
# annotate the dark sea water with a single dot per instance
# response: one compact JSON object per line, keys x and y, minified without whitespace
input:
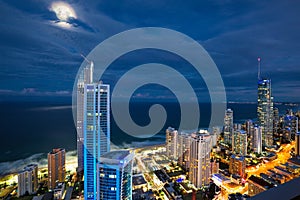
{"x":28,"y":128}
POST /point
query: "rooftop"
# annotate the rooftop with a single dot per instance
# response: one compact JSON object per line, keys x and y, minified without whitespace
{"x":260,"y":182}
{"x":220,"y":177}
{"x":138,"y":180}
{"x":283,"y":170}
{"x":263,"y":81}
{"x":287,"y":190}
{"x":295,"y":161}
{"x":242,"y":131}
{"x":240,"y":158}
{"x":55,"y":151}
{"x":116,"y":155}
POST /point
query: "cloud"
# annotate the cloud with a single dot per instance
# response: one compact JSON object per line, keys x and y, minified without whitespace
{"x":52,"y":108}
{"x":34,"y":92}
{"x":36,"y":53}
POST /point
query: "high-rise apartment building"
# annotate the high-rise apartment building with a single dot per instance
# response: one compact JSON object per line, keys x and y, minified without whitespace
{"x":237,"y":165}
{"x":171,"y":143}
{"x":228,"y":126}
{"x":114,"y":176}
{"x":239,"y":142}
{"x":28,"y":180}
{"x":297,"y":144}
{"x":199,"y":172}
{"x":215,"y":135}
{"x":56,"y":167}
{"x":183,"y":149}
{"x":290,"y":126}
{"x":257,"y":140}
{"x":275,"y":121}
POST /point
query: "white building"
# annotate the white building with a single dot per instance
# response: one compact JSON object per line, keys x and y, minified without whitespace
{"x":28,"y":180}
{"x":183,"y":145}
{"x":199,"y":172}
{"x":86,"y":77}
{"x":215,"y":135}
{"x":257,"y":140}
{"x":171,"y":143}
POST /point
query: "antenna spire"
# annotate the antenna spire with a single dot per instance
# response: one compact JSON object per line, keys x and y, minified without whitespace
{"x":85,"y":58}
{"x":258,"y":73}
{"x":90,"y":70}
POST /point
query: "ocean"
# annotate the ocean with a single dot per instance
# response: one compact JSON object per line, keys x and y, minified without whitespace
{"x":34,"y":128}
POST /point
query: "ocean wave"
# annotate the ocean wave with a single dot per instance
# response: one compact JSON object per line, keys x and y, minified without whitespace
{"x":40,"y":159}
{"x":47,"y":108}
{"x":136,"y":144}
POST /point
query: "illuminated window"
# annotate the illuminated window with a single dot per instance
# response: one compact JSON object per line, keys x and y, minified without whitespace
{"x":112,"y":176}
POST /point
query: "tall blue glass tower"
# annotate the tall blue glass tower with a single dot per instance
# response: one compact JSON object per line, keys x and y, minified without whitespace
{"x":265,"y":111}
{"x":115,"y":176}
{"x":96,"y":131}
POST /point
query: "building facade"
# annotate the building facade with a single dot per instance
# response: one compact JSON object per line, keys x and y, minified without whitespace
{"x":228,"y":126}
{"x":183,"y":149}
{"x":114,"y":176}
{"x":171,"y":143}
{"x":199,"y":172}
{"x":290,"y":126}
{"x":239,"y":142}
{"x":237,"y":165}
{"x":86,"y":77}
{"x":28,"y":180}
{"x":257,"y":139}
{"x":297,"y":144}
{"x":96,"y":132}
{"x":56,"y":167}
{"x":265,"y":111}
{"x":257,"y":185}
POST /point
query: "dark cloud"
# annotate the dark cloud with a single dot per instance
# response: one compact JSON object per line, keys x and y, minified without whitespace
{"x":36,"y":52}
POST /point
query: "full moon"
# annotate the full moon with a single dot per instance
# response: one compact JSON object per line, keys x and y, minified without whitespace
{"x":63,"y":11}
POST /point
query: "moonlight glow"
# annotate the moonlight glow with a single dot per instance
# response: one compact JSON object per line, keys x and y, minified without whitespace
{"x":63,"y":11}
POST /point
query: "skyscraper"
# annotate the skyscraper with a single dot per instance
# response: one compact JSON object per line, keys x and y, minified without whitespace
{"x":28,"y":180}
{"x":248,"y":127}
{"x":215,"y":135}
{"x":86,"y":77}
{"x":115,"y":176}
{"x":96,"y":132}
{"x":228,"y":126}
{"x":199,"y":172}
{"x":297,"y":144}
{"x":237,"y":165}
{"x":290,"y":126}
{"x":239,"y":142}
{"x":257,"y":139}
{"x":265,"y":111}
{"x":56,"y":167}
{"x":275,"y":121}
{"x":183,"y":149}
{"x":171,"y":143}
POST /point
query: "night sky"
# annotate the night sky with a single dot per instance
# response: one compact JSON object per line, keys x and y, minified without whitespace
{"x":40,"y":54}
